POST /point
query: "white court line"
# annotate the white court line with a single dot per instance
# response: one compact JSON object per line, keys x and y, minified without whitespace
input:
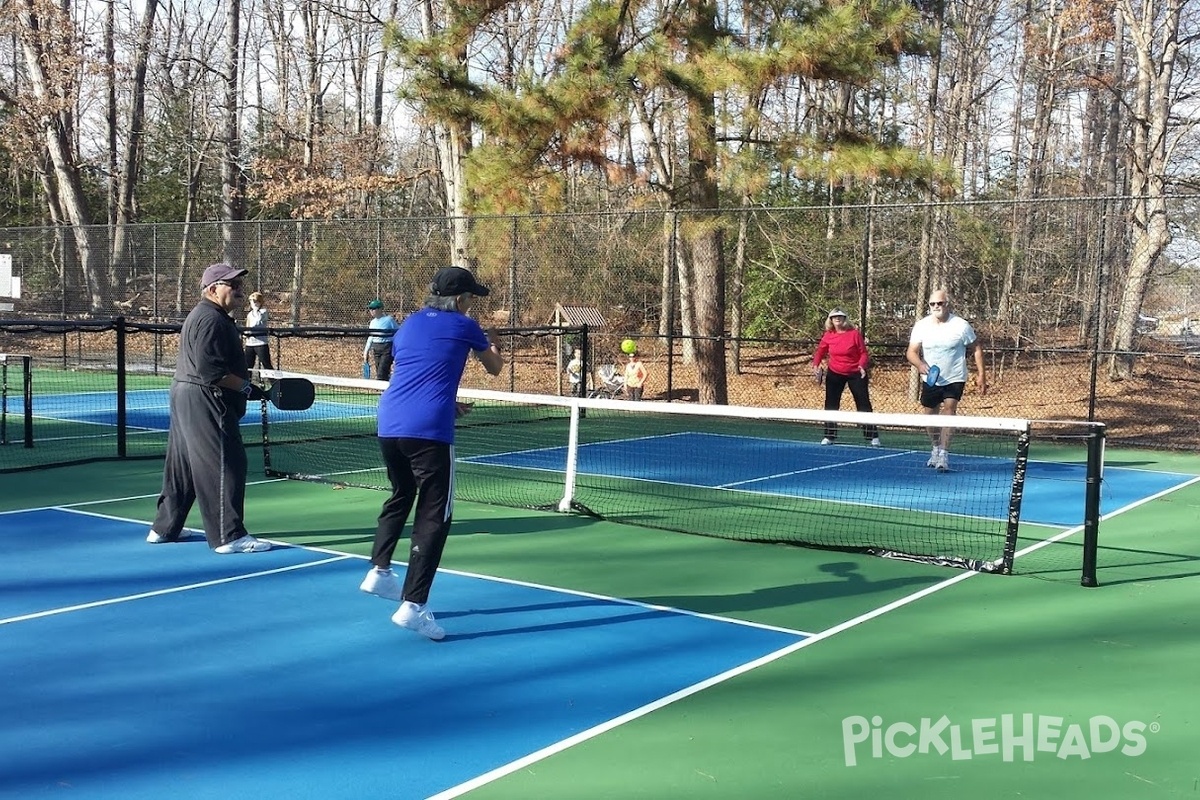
{"x":1072,"y":531}
{"x":480,"y":576}
{"x":75,"y":506}
{"x":604,"y":727}
{"x":340,"y":556}
{"x":591,"y":733}
{"x":625,"y":602}
{"x":819,"y":468}
{"x":828,"y":633}
{"x":172,"y":590}
{"x":72,"y":508}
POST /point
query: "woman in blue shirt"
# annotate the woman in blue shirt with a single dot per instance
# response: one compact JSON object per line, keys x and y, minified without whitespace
{"x":416,"y":437}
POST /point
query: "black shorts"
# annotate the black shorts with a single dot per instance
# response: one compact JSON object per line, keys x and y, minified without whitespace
{"x":932,"y":396}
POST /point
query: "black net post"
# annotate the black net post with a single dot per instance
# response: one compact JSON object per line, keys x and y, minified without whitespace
{"x":27,"y":393}
{"x":266,"y":446}
{"x":3,"y":400}
{"x":1091,"y":510}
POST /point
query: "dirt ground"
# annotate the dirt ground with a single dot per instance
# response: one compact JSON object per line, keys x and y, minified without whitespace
{"x":1154,"y":408}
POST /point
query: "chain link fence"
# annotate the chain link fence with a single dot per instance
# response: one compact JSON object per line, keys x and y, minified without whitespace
{"x":1040,"y":281}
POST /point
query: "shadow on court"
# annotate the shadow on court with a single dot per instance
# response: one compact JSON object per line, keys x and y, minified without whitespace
{"x":1119,"y":565}
{"x":145,"y":652}
{"x":845,"y":581}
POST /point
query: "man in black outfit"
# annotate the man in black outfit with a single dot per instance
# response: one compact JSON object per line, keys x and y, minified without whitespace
{"x":206,"y":461}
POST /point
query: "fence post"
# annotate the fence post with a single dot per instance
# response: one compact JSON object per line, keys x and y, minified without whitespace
{"x":121,"y":427}
{"x":672,"y":282}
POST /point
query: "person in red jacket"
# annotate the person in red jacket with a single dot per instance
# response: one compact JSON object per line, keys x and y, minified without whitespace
{"x":847,"y":351}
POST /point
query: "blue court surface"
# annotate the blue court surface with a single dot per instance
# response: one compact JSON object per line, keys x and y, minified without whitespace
{"x":976,"y":486}
{"x":884,"y":477}
{"x":135,"y":671}
{"x":148,"y":410}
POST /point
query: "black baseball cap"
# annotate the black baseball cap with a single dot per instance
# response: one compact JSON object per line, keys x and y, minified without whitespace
{"x":453,"y":281}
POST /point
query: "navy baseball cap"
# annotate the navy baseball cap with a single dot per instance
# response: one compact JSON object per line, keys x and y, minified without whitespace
{"x":453,"y":281}
{"x":220,"y":272}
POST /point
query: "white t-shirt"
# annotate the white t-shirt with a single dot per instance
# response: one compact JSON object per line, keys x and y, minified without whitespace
{"x":944,"y":345}
{"x":256,"y":318}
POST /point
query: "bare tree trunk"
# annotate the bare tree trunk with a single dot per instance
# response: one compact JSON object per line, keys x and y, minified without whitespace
{"x":453,"y":141}
{"x":666,"y":306}
{"x":1045,"y":56}
{"x":685,"y":295}
{"x":1154,"y":32}
{"x":376,"y":121}
{"x":1114,"y":183}
{"x":110,"y":113}
{"x":127,"y":171}
{"x":298,"y":260}
{"x":233,"y":178}
{"x":47,"y":35}
{"x":1099,"y":176}
{"x":925,"y":277}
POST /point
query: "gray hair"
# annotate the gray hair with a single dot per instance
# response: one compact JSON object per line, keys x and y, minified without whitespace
{"x":449,"y":303}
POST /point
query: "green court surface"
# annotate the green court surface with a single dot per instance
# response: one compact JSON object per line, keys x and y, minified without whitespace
{"x":1079,"y":675}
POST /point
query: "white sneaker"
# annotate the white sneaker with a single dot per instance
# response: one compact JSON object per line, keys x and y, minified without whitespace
{"x":933,"y":458}
{"x":382,"y":583}
{"x":154,"y":537}
{"x":943,"y":461}
{"x":418,"y":618}
{"x":876,"y":443}
{"x":826,"y":441}
{"x":246,"y":544}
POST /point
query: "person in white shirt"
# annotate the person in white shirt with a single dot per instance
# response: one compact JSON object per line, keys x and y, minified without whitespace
{"x":258,"y":349}
{"x":941,"y":340}
{"x":575,"y":373}
{"x":635,"y":377}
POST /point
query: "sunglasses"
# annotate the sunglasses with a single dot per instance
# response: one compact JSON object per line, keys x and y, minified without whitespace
{"x":230,"y":284}
{"x":937,"y":302}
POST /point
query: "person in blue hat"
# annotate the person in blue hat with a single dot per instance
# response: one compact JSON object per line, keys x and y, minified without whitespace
{"x":378,"y":349}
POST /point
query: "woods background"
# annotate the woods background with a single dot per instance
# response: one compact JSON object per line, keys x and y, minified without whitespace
{"x":719,"y":172}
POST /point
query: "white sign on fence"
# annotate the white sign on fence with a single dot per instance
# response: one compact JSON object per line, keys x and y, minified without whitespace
{"x":9,"y":286}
